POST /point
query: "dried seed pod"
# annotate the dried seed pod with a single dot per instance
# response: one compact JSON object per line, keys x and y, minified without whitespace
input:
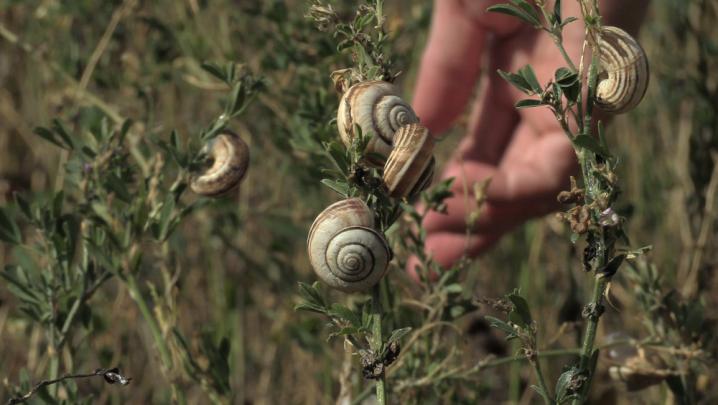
{"x":230,"y":159}
{"x":345,"y":250}
{"x":376,"y":107}
{"x":410,"y":166}
{"x":624,"y":74}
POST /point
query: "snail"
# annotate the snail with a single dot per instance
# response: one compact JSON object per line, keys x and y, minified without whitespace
{"x":345,"y":250}
{"x":624,"y":74}
{"x":230,"y":159}
{"x":376,"y":107}
{"x":410,"y":166}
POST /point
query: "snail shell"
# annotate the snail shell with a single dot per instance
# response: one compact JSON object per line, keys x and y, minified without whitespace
{"x":624,"y":77}
{"x":376,"y":107}
{"x":410,"y":166}
{"x":344,"y":249}
{"x":230,"y":159}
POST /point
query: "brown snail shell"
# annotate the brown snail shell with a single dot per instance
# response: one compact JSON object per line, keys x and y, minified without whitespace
{"x":624,"y":75}
{"x":410,"y":166}
{"x":230,"y":160}
{"x":375,"y":106}
{"x":345,"y":250}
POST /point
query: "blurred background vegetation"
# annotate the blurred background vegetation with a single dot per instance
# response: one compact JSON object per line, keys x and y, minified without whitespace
{"x":229,"y":272}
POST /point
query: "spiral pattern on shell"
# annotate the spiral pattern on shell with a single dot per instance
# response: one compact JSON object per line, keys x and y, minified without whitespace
{"x":376,"y":107}
{"x":624,"y":72}
{"x":230,"y":160}
{"x":344,"y":249}
{"x":410,"y":166}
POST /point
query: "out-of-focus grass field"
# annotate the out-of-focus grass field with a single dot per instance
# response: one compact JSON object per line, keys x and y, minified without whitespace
{"x":239,"y":259}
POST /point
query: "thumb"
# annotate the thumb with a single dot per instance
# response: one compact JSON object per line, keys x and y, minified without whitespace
{"x":449,"y":66}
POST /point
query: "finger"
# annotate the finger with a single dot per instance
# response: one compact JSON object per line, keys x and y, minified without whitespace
{"x":525,"y":185}
{"x":448,"y":248}
{"x":449,"y":67}
{"x":492,"y":124}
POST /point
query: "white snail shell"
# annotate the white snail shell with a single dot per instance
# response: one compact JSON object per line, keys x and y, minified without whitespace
{"x":624,"y":72}
{"x":410,"y":166}
{"x":230,"y":160}
{"x":344,"y":249}
{"x":376,"y":107}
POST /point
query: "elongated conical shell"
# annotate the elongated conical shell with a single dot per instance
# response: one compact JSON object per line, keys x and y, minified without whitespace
{"x":345,"y":250}
{"x":230,"y":160}
{"x":624,"y":72}
{"x":376,"y":107}
{"x":410,"y":166}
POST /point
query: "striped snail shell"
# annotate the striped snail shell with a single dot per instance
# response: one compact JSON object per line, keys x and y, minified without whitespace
{"x":410,"y":166}
{"x":345,"y":250}
{"x":230,"y":158}
{"x":624,"y":74}
{"x":375,"y":106}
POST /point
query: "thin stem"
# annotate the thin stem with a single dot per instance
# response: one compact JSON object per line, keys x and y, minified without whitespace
{"x":376,"y":312}
{"x":150,"y":319}
{"x":590,"y":336}
{"x":111,"y":376}
{"x":541,"y":380}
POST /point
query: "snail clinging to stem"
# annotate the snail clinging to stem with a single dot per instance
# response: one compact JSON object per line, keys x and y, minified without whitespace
{"x":345,"y":250}
{"x":375,"y":106}
{"x":229,"y":155}
{"x":624,"y":74}
{"x":410,"y":166}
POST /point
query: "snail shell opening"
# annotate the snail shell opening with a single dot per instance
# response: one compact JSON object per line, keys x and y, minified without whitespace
{"x":345,"y":251}
{"x":624,"y":75}
{"x":410,"y":166}
{"x":230,"y":160}
{"x":377,"y":108}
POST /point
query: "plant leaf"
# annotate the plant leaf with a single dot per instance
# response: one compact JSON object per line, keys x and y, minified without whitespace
{"x":527,"y":72}
{"x":528,"y":103}
{"x":514,"y":11}
{"x":590,"y":143}
{"x":9,"y":232}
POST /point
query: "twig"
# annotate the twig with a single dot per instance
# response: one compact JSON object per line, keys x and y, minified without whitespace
{"x":111,"y":376}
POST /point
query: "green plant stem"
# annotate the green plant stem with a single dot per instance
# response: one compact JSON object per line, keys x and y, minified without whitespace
{"x":541,"y":380}
{"x":136,"y":295}
{"x":589,"y":338}
{"x":376,"y":312}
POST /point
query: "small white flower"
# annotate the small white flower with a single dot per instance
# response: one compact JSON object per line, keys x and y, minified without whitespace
{"x":609,"y":217}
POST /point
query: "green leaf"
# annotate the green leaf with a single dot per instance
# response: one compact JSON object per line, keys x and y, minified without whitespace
{"x":527,"y":72}
{"x":48,"y":135}
{"x":562,"y":384}
{"x":514,"y":11}
{"x":215,"y":71}
{"x":541,"y":392}
{"x":339,"y":186}
{"x":567,"y":21}
{"x":590,"y":143}
{"x":24,"y":205}
{"x":9,"y":232}
{"x":501,"y":325}
{"x":557,"y":11}
{"x":398,"y":334}
{"x":344,"y":313}
{"x":117,"y":186}
{"x":517,"y":81}
{"x":521,"y":307}
{"x":62,"y":132}
{"x":165,"y":217}
{"x":612,"y":266}
{"x":311,"y":295}
{"x":528,"y":103}
{"x":565,"y":77}
{"x":305,"y":306}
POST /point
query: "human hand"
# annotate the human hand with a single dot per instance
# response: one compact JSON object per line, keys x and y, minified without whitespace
{"x":525,"y":153}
